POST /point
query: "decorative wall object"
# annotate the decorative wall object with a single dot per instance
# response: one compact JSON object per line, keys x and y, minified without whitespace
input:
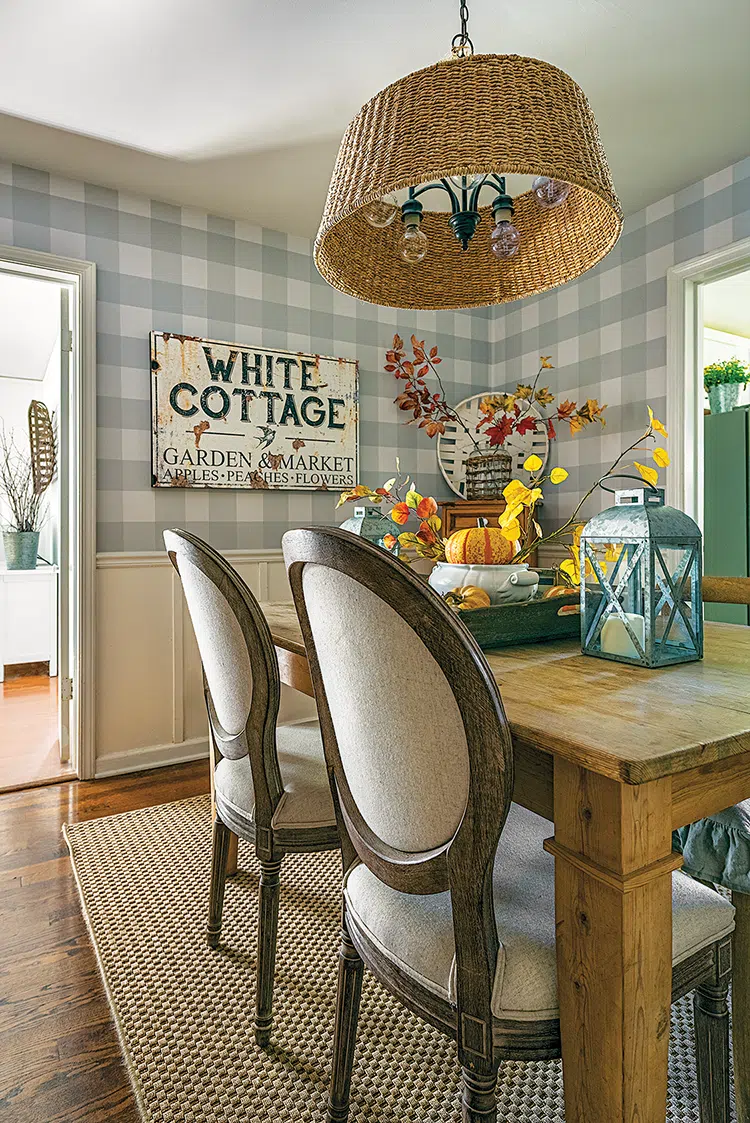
{"x":43,"y":446}
{"x":234,"y":416}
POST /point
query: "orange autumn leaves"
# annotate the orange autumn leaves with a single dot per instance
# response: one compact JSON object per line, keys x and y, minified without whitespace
{"x":502,"y":415}
{"x":426,"y":541}
{"x":422,"y":506}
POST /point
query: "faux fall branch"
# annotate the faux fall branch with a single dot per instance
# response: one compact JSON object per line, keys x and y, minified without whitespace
{"x":500,"y":416}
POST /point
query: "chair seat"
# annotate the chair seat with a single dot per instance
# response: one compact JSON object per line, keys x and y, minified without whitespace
{"x":416,"y":932}
{"x":306,"y":801}
{"x":717,"y":849}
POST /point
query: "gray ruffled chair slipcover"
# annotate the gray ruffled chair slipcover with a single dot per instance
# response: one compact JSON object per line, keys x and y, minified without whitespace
{"x":717,"y":849}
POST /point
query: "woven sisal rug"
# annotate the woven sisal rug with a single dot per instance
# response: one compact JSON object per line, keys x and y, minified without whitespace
{"x":184,"y":1013}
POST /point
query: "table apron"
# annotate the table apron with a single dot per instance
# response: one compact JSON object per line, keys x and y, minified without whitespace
{"x":696,"y":793}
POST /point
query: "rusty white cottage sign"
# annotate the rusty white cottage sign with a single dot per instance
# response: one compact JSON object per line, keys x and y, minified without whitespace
{"x":227,"y":415}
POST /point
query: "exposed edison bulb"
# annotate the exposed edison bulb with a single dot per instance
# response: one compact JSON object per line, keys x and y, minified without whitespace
{"x":381,"y":212}
{"x":413,"y":244}
{"x":505,"y":239}
{"x":550,"y":192}
{"x":471,"y":180}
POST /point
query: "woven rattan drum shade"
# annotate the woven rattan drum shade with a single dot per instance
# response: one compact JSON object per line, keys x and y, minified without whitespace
{"x":482,"y":113}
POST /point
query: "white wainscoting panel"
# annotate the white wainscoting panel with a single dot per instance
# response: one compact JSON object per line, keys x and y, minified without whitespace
{"x":150,"y":709}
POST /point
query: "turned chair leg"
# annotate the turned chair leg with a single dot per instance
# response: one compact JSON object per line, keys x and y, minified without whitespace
{"x":712,"y":1051}
{"x":741,"y":1005}
{"x":268,"y":925}
{"x":219,"y":854}
{"x":345,"y":1032}
{"x":479,"y":1102}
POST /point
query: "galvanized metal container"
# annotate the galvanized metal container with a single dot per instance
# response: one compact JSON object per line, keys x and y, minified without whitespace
{"x":21,"y":548}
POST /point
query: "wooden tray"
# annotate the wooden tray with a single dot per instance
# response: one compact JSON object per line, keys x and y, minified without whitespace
{"x":505,"y":625}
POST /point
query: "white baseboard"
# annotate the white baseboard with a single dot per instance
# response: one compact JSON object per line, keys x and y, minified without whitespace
{"x":151,"y":756}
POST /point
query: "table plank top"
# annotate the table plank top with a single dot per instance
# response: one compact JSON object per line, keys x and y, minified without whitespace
{"x":626,"y":722}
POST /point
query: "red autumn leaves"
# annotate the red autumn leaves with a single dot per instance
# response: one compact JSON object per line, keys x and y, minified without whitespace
{"x":430,"y":409}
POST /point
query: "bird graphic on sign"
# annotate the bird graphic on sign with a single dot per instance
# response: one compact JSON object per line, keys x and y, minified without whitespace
{"x":267,"y":436}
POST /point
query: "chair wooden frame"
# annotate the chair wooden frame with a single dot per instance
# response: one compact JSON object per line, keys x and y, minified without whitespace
{"x":464,"y":864}
{"x":736,"y":590}
{"x":258,"y":741}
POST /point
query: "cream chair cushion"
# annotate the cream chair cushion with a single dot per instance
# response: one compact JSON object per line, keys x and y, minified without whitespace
{"x":416,"y":932}
{"x":398,"y":727}
{"x":306,"y":801}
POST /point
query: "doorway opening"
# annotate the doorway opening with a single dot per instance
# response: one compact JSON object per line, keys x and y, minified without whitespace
{"x":46,"y":508}
{"x":708,"y":408}
{"x":725,"y":363}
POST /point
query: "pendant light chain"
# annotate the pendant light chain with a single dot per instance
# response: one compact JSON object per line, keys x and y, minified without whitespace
{"x":461,"y":44}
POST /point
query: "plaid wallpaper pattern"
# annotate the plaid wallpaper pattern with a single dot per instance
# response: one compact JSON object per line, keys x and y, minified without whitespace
{"x":176,"y":269}
{"x":606,"y":332}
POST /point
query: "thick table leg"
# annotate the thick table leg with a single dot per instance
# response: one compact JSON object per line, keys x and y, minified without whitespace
{"x":613,"y":905}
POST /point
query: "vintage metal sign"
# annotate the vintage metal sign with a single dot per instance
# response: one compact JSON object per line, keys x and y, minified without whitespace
{"x":237,"y":416}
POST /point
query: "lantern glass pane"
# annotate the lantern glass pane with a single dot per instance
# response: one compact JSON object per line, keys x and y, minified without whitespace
{"x":615,"y":576}
{"x":676,"y":626}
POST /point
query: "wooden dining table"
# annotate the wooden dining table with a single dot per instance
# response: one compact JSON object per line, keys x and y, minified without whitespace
{"x":616,"y":756}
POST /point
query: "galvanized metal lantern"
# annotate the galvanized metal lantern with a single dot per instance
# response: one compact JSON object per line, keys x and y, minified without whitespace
{"x":641,"y":582}
{"x":369,"y":523}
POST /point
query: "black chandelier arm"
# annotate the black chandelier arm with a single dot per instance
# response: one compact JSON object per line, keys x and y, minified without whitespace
{"x":467,"y":202}
{"x":444,"y":185}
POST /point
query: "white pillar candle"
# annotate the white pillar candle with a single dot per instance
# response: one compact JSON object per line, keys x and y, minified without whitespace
{"x":615,"y":637}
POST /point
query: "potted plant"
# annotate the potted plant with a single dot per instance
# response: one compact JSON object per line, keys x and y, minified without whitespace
{"x":23,"y":511}
{"x":722,"y":381}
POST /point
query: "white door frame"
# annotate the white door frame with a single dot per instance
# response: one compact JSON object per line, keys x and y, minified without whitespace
{"x":685,"y":367}
{"x":81,"y":275}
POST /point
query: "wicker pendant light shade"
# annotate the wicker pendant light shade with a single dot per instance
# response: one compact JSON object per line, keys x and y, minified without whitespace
{"x":476,"y":114}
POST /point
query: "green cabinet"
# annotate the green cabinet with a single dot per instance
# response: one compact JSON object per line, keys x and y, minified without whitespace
{"x":726,"y":524}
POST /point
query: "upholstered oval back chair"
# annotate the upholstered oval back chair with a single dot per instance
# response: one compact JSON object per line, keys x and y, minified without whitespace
{"x":269,"y":781}
{"x":448,"y":894}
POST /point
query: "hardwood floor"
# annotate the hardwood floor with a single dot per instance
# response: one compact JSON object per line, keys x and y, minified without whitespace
{"x":59,"y":1055}
{"x":29,"y":745}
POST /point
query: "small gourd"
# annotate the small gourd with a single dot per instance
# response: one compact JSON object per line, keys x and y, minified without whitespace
{"x":468,"y":597}
{"x":478,"y":545}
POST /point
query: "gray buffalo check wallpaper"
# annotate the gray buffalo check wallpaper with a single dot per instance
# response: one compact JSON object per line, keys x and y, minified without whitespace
{"x":167,"y":268}
{"x":173,"y":269}
{"x":606,"y":332}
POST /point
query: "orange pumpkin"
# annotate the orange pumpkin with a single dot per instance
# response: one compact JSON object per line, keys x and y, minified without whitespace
{"x":468,"y":597}
{"x":478,"y":545}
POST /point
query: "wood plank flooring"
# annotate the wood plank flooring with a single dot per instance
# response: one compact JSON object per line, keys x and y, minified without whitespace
{"x":59,"y":1055}
{"x":29,"y":745}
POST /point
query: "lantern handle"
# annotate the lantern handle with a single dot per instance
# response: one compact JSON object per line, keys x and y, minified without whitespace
{"x":626,"y":476}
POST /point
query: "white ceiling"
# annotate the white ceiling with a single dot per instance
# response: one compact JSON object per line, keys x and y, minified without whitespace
{"x":29,"y":326}
{"x":726,"y":304}
{"x":238,"y":106}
